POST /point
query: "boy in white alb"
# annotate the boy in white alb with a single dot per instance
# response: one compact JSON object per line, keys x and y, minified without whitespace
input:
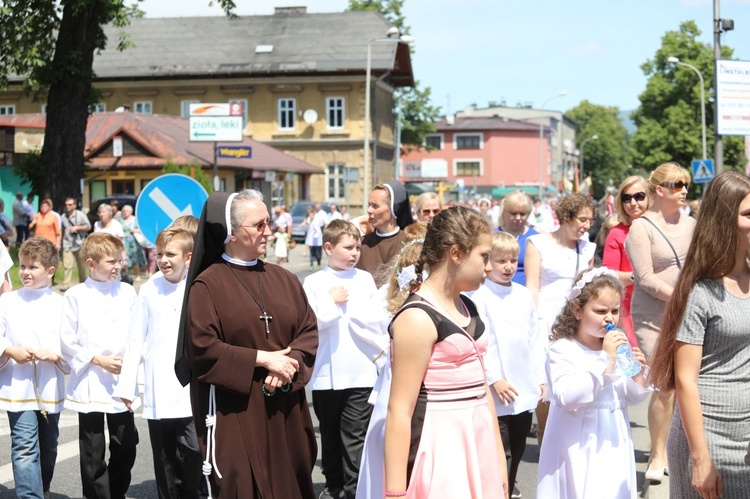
{"x":32,"y":377}
{"x":97,"y":318}
{"x":515,"y":353}
{"x":343,"y":376}
{"x":166,"y":403}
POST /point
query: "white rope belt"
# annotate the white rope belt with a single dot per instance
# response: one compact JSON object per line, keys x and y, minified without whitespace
{"x":211,"y":441}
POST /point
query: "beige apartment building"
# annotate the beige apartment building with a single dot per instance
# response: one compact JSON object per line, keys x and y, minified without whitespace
{"x":301,"y":79}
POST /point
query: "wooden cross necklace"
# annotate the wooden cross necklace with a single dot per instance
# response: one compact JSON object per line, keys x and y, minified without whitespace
{"x":261,"y":304}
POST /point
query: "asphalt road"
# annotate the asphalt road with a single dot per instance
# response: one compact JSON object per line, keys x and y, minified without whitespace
{"x":66,"y":483}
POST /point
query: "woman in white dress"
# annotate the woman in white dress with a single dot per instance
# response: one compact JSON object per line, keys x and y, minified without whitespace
{"x":551,"y":263}
{"x":589,"y":451}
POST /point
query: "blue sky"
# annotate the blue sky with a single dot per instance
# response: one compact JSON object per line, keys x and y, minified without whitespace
{"x":475,"y":51}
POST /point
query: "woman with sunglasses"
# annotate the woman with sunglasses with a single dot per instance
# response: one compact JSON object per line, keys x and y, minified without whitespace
{"x":630,"y":203}
{"x":553,"y":260}
{"x":656,"y":246}
{"x":427,"y":206}
{"x":517,"y":207}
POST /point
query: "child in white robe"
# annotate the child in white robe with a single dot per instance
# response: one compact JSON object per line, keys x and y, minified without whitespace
{"x":166,"y":403}
{"x":97,"y":319}
{"x":343,"y":376}
{"x":587,"y":451}
{"x":32,"y":372}
{"x":515,"y":353}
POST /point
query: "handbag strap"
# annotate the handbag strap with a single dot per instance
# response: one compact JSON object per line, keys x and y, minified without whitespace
{"x":677,"y":258}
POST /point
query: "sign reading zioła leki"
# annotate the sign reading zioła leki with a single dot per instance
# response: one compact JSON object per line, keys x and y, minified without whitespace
{"x":219,"y":122}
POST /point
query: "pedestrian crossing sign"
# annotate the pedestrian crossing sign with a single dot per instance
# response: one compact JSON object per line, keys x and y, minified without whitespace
{"x":703,"y":170}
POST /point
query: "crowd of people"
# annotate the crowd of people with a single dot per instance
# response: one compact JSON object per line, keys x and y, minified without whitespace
{"x":429,"y":340}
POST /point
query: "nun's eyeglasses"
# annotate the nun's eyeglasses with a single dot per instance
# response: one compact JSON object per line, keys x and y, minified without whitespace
{"x":261,"y":226}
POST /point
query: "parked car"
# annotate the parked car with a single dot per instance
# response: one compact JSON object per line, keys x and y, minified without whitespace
{"x":298,"y":212}
{"x":122,"y":199}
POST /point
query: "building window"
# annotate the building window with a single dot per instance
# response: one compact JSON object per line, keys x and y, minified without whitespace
{"x":142,"y":107}
{"x":287,"y":113}
{"x":97,"y":190}
{"x":185,"y":107}
{"x":335,"y":181}
{"x":11,"y":109}
{"x":468,"y":141}
{"x":468,"y":168}
{"x":244,"y":109}
{"x":335,"y":112}
{"x":434,"y":141}
{"x":99,"y":107}
{"x":44,"y":108}
{"x":123,"y":187}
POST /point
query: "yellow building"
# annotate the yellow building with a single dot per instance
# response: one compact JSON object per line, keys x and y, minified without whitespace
{"x":300,"y":77}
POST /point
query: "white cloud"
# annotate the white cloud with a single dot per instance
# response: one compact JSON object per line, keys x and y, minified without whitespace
{"x":590,"y":48}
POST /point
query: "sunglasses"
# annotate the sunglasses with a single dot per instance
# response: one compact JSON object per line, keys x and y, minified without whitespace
{"x":427,"y":213}
{"x":261,"y":226}
{"x":638,"y":196}
{"x":676,"y":185}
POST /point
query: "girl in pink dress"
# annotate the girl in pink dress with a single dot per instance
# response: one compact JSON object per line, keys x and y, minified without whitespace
{"x":441,"y":436}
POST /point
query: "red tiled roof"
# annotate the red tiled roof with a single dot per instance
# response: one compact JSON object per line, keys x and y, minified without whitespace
{"x":164,"y":138}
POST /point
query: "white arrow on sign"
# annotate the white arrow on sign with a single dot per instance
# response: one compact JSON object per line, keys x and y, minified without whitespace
{"x":167,"y":206}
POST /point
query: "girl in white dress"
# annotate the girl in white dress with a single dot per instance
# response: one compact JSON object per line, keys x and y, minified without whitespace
{"x":588,"y":452}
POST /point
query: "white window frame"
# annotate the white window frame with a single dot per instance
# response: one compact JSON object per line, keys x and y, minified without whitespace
{"x":99,"y":107}
{"x":331,"y":107}
{"x":462,"y":135}
{"x":468,"y":160}
{"x":7,"y":109}
{"x":291,"y":113}
{"x":244,"y":109}
{"x":185,"y":107}
{"x":337,"y":176}
{"x":44,"y":108}
{"x":143,"y":107}
{"x":442,"y":140}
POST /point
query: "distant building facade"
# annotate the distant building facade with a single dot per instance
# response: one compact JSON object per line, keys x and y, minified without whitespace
{"x":561,"y":139}
{"x":486,"y":155}
{"x":299,"y":76}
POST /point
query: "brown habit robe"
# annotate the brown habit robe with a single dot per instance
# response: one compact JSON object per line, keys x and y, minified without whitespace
{"x":377,"y":250}
{"x":265,"y":446}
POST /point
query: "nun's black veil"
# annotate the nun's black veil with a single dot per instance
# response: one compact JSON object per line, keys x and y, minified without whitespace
{"x":213,"y":232}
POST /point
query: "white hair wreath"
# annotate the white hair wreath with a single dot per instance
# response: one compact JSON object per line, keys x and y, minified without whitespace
{"x":587,"y":277}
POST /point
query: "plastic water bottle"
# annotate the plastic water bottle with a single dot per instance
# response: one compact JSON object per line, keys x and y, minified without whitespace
{"x":626,"y":359}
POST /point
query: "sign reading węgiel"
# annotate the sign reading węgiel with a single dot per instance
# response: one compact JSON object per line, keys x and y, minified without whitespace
{"x":238,"y":152}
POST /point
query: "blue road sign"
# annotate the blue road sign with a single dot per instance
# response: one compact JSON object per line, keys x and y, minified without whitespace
{"x":703,"y":170}
{"x":166,"y":198}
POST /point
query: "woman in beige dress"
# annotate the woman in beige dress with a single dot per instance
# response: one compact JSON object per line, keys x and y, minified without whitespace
{"x":657,"y":245}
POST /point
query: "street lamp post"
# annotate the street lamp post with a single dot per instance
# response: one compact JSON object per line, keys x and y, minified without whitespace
{"x":583,"y":144}
{"x":675,"y":60}
{"x":541,"y":144}
{"x":367,"y":169}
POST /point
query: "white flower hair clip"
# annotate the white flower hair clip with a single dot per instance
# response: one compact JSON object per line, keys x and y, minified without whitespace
{"x":587,"y":277}
{"x":408,"y":274}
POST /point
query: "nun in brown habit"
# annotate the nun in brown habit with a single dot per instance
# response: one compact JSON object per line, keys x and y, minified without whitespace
{"x":389,"y":212}
{"x":247,"y":345}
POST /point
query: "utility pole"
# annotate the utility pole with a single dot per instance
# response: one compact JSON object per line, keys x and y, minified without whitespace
{"x":718,"y":144}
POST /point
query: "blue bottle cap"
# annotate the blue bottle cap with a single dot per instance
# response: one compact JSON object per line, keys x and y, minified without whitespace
{"x":610,"y":327}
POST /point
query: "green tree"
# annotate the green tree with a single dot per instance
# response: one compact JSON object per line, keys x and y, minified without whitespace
{"x":51,"y":44}
{"x":669,"y":117}
{"x":418,"y":114}
{"x":193,"y":170}
{"x":607,"y":157}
